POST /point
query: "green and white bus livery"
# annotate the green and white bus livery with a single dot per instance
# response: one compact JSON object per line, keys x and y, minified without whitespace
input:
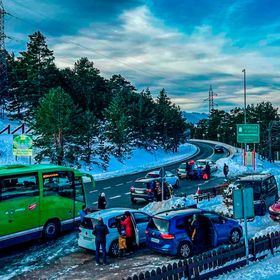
{"x":40,"y":201}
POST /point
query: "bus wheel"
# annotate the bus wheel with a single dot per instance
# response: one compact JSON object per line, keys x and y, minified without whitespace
{"x":51,"y":229}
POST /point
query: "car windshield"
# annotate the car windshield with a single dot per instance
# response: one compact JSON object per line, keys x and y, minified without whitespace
{"x":144,"y":185}
{"x":256,"y":185}
{"x":159,"y":224}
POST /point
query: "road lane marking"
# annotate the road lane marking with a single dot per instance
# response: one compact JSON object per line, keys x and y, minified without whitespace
{"x":107,"y":188}
{"x":119,"y":184}
{"x":128,"y":182}
{"x":114,"y":197}
{"x":93,"y":191}
{"x":95,"y":202}
{"x":127,"y":193}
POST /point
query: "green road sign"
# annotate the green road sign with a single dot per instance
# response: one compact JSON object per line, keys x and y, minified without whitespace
{"x":243,"y":203}
{"x":22,"y":145}
{"x":248,"y":133}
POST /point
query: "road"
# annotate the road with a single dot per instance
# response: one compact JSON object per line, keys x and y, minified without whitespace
{"x":117,"y":189}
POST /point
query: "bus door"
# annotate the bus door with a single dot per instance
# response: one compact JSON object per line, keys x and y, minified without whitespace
{"x":89,"y":190}
{"x":19,"y":203}
{"x":58,"y":197}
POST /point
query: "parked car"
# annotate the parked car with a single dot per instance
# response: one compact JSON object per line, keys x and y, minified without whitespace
{"x":143,"y":189}
{"x":170,"y":232}
{"x":202,"y":163}
{"x":274,"y":211}
{"x":219,"y":149}
{"x":264,"y":187}
{"x":181,"y":171}
{"x":169,"y":177}
{"x":110,"y":216}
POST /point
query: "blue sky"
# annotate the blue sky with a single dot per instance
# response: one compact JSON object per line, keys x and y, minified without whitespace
{"x":181,"y":45}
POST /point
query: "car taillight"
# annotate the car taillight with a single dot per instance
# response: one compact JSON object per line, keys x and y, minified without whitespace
{"x":132,"y":189}
{"x":167,"y":236}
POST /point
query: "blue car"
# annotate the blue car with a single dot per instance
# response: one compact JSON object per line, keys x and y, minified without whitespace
{"x":170,"y":232}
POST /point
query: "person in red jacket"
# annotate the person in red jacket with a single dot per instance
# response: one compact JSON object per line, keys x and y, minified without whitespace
{"x":129,"y":231}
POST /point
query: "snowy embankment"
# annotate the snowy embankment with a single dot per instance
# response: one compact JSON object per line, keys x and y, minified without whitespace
{"x":141,"y":160}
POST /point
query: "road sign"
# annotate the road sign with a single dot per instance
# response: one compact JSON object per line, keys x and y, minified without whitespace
{"x":248,"y":133}
{"x":22,"y":145}
{"x":243,"y":203}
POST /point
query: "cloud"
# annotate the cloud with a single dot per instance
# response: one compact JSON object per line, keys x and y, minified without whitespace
{"x":150,"y":52}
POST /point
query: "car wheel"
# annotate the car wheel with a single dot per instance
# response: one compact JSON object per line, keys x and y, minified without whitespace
{"x":184,"y":250}
{"x":51,"y":230}
{"x":114,"y":249}
{"x":235,"y":236}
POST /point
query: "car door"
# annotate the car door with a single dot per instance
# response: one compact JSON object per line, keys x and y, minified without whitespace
{"x":140,"y":224}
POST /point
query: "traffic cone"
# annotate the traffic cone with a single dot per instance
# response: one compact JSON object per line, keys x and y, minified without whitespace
{"x":198,"y":192}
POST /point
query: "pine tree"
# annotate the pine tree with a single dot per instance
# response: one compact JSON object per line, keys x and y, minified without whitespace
{"x":118,"y":131}
{"x":38,"y":73}
{"x":52,"y":126}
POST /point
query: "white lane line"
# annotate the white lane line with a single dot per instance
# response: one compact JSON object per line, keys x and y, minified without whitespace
{"x":119,"y":184}
{"x":95,"y":202}
{"x":128,"y":182}
{"x":107,"y":188}
{"x":114,"y":197}
{"x":93,"y":191}
{"x":127,"y":193}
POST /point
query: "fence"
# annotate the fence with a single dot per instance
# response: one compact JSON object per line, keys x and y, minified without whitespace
{"x":22,"y":129}
{"x":215,"y":262}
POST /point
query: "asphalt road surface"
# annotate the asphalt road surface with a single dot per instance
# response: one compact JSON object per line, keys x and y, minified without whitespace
{"x":117,"y":189}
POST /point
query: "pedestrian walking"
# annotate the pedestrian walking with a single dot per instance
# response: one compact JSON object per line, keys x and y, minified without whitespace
{"x":100,"y":231}
{"x":129,"y":231}
{"x":102,"y":202}
{"x":226,"y":170}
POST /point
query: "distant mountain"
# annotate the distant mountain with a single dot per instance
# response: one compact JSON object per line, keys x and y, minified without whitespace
{"x":194,"y":117}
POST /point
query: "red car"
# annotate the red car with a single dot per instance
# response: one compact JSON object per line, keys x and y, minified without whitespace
{"x":274,"y":211}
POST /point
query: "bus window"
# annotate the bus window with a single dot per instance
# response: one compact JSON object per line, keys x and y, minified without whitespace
{"x":58,"y":183}
{"x":19,"y":186}
{"x":79,"y":192}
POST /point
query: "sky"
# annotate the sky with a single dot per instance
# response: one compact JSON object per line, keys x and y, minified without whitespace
{"x":183,"y":46}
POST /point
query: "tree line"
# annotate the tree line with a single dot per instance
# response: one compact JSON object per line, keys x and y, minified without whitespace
{"x":78,"y":116}
{"x":221,"y":125}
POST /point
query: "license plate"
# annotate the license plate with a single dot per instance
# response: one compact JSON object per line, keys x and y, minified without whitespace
{"x":155,"y":240}
{"x":87,"y":238}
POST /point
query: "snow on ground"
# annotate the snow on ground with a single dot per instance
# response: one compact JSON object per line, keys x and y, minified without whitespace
{"x":268,"y":269}
{"x":141,"y":160}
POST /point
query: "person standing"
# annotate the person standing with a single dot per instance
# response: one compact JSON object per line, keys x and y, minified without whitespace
{"x":197,"y":234}
{"x":122,"y":240}
{"x":100,"y":231}
{"x":208,"y":170}
{"x":129,"y":231}
{"x":101,"y":203}
{"x":83,"y":213}
{"x":158,"y":191}
{"x":226,"y":170}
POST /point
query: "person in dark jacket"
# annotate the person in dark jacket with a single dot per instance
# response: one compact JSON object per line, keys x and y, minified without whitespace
{"x":188,"y":169}
{"x":100,"y":231}
{"x":226,"y":170}
{"x":83,"y":213}
{"x":197,"y":234}
{"x":129,"y":231}
{"x":101,"y":203}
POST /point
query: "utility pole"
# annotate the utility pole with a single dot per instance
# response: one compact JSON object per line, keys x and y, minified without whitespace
{"x":245,"y":101}
{"x":210,"y":99}
{"x":3,"y":60}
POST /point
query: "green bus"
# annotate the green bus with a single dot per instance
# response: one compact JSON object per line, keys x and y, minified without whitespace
{"x":40,"y":201}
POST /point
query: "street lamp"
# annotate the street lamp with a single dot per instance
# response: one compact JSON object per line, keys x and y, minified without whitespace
{"x":244,"y":87}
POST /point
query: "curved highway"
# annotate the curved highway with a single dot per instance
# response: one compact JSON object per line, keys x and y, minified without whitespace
{"x":117,"y":189}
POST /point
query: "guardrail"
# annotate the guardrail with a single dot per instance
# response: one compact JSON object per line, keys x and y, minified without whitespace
{"x":232,"y":150}
{"x":22,"y":129}
{"x":214,"y":262}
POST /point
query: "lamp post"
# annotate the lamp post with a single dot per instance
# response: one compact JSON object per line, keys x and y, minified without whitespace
{"x":245,"y":101}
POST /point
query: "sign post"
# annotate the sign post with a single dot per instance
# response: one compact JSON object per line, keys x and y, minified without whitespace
{"x":243,"y":208}
{"x":22,"y":146}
